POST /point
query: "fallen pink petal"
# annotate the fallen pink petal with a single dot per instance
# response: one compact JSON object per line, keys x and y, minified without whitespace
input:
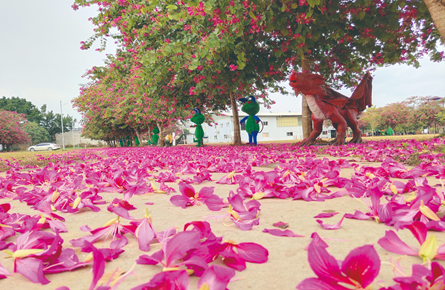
{"x":329,"y":226}
{"x":282,"y":233}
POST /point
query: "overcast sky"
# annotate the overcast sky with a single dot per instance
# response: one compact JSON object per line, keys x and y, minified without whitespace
{"x":41,"y":60}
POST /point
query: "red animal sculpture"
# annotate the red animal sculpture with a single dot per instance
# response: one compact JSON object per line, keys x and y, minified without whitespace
{"x":325,"y":103}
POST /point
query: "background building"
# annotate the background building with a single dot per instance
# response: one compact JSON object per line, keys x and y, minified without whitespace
{"x":74,"y":138}
{"x":275,"y":127}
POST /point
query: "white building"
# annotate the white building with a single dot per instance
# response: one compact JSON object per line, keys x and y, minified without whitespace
{"x":274,"y":127}
{"x":328,"y":133}
{"x":74,"y":138}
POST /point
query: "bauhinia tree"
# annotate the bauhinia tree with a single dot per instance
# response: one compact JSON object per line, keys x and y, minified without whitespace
{"x":217,"y":49}
{"x":115,"y":105}
{"x":222,"y":66}
{"x":12,"y":129}
{"x":426,"y":110}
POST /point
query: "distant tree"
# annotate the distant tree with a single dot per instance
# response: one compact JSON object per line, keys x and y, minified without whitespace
{"x":51,"y":123}
{"x":426,"y":110}
{"x":36,"y":133}
{"x":397,"y":116}
{"x":12,"y":129}
{"x":21,"y":106}
{"x":372,"y":116}
{"x":363,"y":124}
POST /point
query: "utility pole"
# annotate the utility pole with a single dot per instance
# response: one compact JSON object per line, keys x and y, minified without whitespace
{"x":61,"y":122}
{"x":72,"y":131}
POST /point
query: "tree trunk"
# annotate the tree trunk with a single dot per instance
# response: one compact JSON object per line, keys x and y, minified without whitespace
{"x":161,"y":137}
{"x":139,"y":136}
{"x":236,"y":127}
{"x":306,"y":112}
{"x":149,"y":135}
{"x":437,"y":11}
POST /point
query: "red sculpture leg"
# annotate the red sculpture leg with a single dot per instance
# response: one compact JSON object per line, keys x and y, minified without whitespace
{"x":318,"y":127}
{"x":341,"y":126}
{"x":353,"y":124}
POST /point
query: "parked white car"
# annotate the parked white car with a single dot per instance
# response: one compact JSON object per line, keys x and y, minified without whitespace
{"x":44,"y":147}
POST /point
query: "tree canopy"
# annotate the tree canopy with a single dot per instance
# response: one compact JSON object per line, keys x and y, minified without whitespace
{"x":12,"y":129}
{"x":178,"y":54}
{"x":21,"y":106}
{"x":48,"y":120}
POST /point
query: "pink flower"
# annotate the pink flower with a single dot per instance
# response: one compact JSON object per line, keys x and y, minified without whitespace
{"x":233,"y":67}
{"x":360,"y":267}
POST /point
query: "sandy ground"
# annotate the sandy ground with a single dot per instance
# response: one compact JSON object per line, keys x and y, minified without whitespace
{"x":287,"y":264}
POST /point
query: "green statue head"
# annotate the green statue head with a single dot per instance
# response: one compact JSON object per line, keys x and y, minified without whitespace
{"x":250,"y":106}
{"x":197,"y":118}
{"x":155,"y":130}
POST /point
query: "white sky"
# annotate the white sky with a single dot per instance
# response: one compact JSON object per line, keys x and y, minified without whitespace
{"x":41,"y":60}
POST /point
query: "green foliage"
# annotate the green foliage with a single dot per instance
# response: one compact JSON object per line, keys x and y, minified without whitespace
{"x":12,"y":129}
{"x":408,"y":116}
{"x":36,"y":133}
{"x":21,"y":106}
{"x":51,"y":122}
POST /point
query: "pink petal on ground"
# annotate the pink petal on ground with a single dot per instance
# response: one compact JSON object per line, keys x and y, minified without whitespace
{"x":180,"y":200}
{"x":246,"y":225}
{"x":331,"y":227}
{"x":4,"y":272}
{"x":85,"y":228}
{"x":57,"y":225}
{"x":144,"y":234}
{"x":179,"y":245}
{"x":419,"y":231}
{"x":385,"y":212}
{"x":440,"y":253}
{"x":392,"y":243}
{"x":281,"y":225}
{"x":98,"y":264}
{"x":202,"y":227}
{"x":149,"y":203}
{"x":236,"y":201}
{"x":316,"y":239}
{"x":32,"y":269}
{"x":317,"y":284}
{"x":362,"y":265}
{"x":253,"y":253}
{"x":436,"y":226}
{"x":358,"y":215}
{"x":216,"y":277}
{"x":154,"y":259}
{"x":186,"y":190}
{"x":215,"y":203}
{"x":280,"y":233}
{"x":206,"y":192}
{"x":324,"y":265}
{"x":325,"y":215}
{"x":5,"y":207}
{"x":177,"y":280}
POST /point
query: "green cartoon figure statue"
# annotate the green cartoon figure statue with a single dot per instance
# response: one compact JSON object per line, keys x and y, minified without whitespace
{"x":128,"y":141}
{"x":155,"y":135}
{"x":136,"y":140}
{"x":251,"y":107}
{"x":121,"y":142}
{"x":198,"y":119}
